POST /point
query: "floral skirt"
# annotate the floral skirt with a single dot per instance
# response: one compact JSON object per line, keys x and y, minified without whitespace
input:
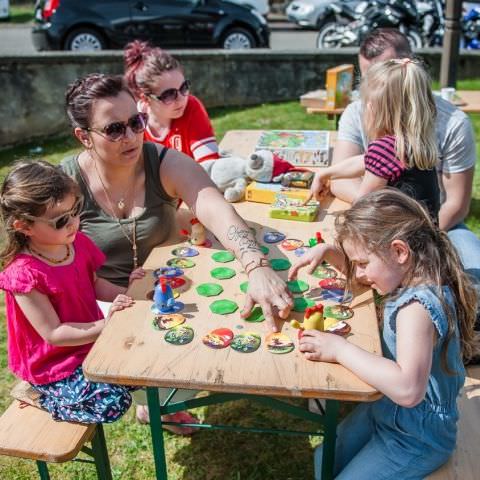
{"x":75,"y":399}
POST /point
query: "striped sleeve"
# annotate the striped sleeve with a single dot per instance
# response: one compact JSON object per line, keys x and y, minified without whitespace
{"x":380,"y":160}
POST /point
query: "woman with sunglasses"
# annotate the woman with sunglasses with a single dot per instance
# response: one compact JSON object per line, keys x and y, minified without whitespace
{"x":131,"y":191}
{"x":176,"y":119}
{"x":51,"y":325}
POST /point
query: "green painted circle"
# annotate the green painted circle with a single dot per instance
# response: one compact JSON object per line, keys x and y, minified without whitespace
{"x":297,"y":286}
{"x":280,"y":264}
{"x":223,"y":307}
{"x":300,"y":304}
{"x":264,"y":249}
{"x":244,"y":287}
{"x":223,"y":257}
{"x":256,"y":316}
{"x":209,"y":289}
{"x":222,"y":273}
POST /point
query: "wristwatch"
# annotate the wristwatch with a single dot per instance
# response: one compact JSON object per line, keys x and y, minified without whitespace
{"x":260,"y":262}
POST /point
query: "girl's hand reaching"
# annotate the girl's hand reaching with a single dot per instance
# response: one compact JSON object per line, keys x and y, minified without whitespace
{"x":315,"y":256}
{"x":137,"y":274}
{"x":320,"y":346}
{"x":121,"y":302}
{"x":320,"y":187}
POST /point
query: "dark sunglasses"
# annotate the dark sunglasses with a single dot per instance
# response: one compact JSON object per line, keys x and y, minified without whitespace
{"x":62,"y":220}
{"x":171,"y":94}
{"x":117,"y":130}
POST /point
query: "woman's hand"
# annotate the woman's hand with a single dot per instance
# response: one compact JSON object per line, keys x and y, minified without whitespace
{"x":320,"y":346}
{"x":137,"y":274}
{"x":119,"y":303}
{"x":267,"y":289}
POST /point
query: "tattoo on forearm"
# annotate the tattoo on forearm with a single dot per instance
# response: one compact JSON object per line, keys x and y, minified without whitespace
{"x":244,"y":238}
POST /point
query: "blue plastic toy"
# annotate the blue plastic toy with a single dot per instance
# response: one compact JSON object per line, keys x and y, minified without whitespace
{"x":163,"y":298}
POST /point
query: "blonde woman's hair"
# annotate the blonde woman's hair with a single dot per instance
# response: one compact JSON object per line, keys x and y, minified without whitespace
{"x":398,"y":101}
{"x":381,"y":217}
{"x":29,"y":189}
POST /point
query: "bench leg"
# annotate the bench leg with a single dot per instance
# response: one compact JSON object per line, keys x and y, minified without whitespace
{"x":329,"y":439}
{"x":43,"y":470}
{"x":100,"y":454}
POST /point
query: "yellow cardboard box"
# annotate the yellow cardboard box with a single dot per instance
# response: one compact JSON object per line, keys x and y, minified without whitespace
{"x":339,"y":86}
{"x":266,"y":192}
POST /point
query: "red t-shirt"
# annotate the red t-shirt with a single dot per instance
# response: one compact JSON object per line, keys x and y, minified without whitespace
{"x":70,"y":289}
{"x":191,"y":134}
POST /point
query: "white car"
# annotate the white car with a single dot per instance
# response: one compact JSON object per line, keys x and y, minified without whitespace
{"x":260,"y":5}
{"x":4,"y":9}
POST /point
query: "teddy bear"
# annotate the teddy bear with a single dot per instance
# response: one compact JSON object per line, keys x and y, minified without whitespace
{"x":232,"y":174}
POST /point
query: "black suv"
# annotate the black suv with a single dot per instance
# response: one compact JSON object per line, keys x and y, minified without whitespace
{"x":88,"y":25}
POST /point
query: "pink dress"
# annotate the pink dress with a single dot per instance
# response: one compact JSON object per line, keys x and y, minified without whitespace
{"x":70,"y":289}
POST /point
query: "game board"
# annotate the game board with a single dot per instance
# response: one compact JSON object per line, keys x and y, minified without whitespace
{"x":216,"y":283}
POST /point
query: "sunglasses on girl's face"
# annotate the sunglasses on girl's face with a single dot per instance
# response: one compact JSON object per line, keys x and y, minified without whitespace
{"x":171,"y":94}
{"x":62,"y":220}
{"x":117,"y":130}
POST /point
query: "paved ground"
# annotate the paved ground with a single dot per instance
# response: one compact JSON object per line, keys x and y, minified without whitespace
{"x":285,"y":36}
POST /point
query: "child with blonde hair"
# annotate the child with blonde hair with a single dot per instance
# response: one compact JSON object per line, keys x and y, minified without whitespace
{"x":399,"y":121}
{"x":51,"y":290}
{"x":389,"y":242}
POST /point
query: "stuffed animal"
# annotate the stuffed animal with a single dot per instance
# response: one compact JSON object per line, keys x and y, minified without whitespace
{"x":231,"y":174}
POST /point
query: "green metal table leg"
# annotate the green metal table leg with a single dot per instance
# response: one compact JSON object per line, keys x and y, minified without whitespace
{"x":43,"y":470}
{"x":100,"y":454}
{"x":329,"y":439}
{"x":157,"y":433}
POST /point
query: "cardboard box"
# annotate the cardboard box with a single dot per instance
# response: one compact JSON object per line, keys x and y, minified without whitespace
{"x":293,"y":209}
{"x":301,"y":148}
{"x":266,"y":192}
{"x":339,"y":86}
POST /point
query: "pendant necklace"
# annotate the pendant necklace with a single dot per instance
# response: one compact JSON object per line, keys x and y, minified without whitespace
{"x":131,"y":237}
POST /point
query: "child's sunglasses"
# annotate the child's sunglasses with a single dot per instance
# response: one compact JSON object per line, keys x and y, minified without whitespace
{"x":117,"y":130}
{"x":62,"y":220}
{"x":171,"y":94}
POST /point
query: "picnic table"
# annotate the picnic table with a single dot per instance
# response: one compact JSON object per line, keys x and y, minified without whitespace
{"x":466,"y":100}
{"x":131,"y":352}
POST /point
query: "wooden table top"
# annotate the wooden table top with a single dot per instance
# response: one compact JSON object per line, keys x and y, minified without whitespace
{"x":469,"y":102}
{"x":131,"y":351}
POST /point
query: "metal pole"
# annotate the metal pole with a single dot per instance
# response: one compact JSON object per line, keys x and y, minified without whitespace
{"x":451,"y":43}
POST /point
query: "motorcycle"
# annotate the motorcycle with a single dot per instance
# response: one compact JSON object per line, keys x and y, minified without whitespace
{"x":379,"y":13}
{"x":431,"y":22}
{"x":471,"y":29}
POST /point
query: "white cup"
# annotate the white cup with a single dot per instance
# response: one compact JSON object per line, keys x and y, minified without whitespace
{"x":447,"y":93}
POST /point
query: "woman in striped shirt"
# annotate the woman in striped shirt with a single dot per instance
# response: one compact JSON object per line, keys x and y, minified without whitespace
{"x":399,"y":119}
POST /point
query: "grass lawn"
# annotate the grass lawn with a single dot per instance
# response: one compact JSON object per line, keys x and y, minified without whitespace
{"x":206,"y":455}
{"x":20,"y":14}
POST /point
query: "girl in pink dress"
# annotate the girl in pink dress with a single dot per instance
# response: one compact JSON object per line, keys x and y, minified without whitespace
{"x":51,"y":290}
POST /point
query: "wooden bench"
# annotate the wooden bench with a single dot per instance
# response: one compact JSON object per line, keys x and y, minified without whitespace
{"x":31,"y":433}
{"x":465,"y":462}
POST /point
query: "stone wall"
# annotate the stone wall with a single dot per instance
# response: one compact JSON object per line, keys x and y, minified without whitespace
{"x":32,"y":87}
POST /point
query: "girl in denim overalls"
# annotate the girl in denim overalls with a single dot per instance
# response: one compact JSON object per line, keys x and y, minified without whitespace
{"x":388,"y":241}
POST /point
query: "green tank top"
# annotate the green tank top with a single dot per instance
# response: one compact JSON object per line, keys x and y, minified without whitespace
{"x":153,"y":225}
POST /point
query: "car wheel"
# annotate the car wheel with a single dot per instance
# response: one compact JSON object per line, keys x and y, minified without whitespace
{"x":327,"y":36}
{"x":85,"y":40}
{"x":238,"y":38}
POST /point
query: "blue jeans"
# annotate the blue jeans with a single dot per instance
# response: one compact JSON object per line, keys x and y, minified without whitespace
{"x":364,"y":452}
{"x":468,"y":247}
